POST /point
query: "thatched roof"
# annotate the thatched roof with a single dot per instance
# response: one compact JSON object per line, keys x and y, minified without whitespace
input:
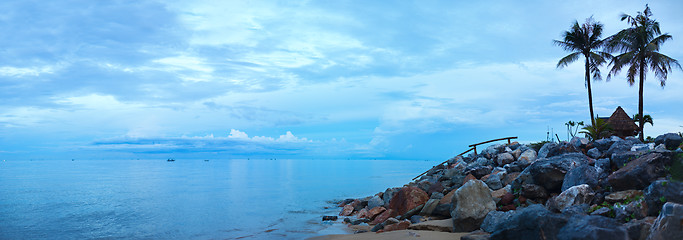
{"x":622,"y":123}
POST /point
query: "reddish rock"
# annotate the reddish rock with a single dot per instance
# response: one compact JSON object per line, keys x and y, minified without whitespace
{"x":408,"y":198}
{"x":402,"y":225}
{"x":522,"y":199}
{"x":507,"y":199}
{"x":355,"y":203}
{"x":437,"y":187}
{"x":498,"y":194}
{"x":384,"y":216}
{"x":510,"y":177}
{"x":347,"y":211}
{"x":363,"y":213}
{"x":508,"y":207}
{"x":448,"y":197}
{"x":375,"y":211}
{"x":468,"y":178}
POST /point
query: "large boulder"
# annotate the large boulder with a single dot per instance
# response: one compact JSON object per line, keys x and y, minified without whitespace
{"x":670,"y":140}
{"x":576,"y":195}
{"x":548,"y":150}
{"x":504,"y":158}
{"x":375,"y":201}
{"x":389,"y":213}
{"x":620,"y":159}
{"x":583,"y":174}
{"x":662,"y":191}
{"x":669,"y":223}
{"x":602,"y":144}
{"x":579,"y":142}
{"x":407,"y":199}
{"x":388,"y":194}
{"x":639,"y":173}
{"x":592,"y":227}
{"x":549,"y":173}
{"x":619,"y":146}
{"x":533,"y":222}
{"x":429,"y":207}
{"x":471,"y":203}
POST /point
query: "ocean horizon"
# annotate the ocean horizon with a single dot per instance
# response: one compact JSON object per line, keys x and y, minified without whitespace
{"x":187,"y":199}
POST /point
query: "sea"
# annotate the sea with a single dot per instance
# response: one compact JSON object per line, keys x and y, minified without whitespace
{"x":187,"y":199}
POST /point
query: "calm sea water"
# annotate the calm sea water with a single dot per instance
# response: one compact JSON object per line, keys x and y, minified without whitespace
{"x":186,"y":199}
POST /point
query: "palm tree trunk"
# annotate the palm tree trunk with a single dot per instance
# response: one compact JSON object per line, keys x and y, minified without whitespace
{"x":590,"y":94}
{"x":641,"y":116}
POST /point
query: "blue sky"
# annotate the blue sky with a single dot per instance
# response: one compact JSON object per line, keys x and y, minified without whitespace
{"x":303,"y":79}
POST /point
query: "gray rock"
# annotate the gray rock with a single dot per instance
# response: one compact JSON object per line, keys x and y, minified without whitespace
{"x":533,"y":222}
{"x":491,"y":151}
{"x":619,"y":160}
{"x":534,"y":191}
{"x":594,"y":153}
{"x":639,"y":173}
{"x":388,"y":194}
{"x":516,"y":153}
{"x":429,"y":207}
{"x":494,"y":218}
{"x":592,"y":227}
{"x":375,"y":201}
{"x":668,"y":223}
{"x":639,"y":229}
{"x":579,"y":142}
{"x":583,"y":174}
{"x":642,"y":147}
{"x":602,"y":144}
{"x":377,"y":227}
{"x":661,"y":148}
{"x":619,"y":146}
{"x":436,"y":195}
{"x":548,"y":150}
{"x":670,"y":140}
{"x":471,"y":203}
{"x":581,"y":194}
{"x":504,"y":158}
{"x":494,"y":181}
{"x":479,"y":172}
{"x":549,"y":173}
{"x":662,"y":191}
{"x":442,"y":210}
{"x":476,"y":235}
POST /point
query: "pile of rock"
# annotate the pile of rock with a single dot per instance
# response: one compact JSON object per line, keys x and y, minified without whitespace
{"x":610,"y":188}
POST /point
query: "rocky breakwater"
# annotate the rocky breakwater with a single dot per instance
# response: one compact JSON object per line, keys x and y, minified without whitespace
{"x":605,"y":189}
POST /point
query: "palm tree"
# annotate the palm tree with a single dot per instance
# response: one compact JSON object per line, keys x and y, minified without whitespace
{"x":584,"y":40}
{"x":640,"y":45}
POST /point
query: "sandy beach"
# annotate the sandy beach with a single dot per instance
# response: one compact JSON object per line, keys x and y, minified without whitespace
{"x":393,"y":235}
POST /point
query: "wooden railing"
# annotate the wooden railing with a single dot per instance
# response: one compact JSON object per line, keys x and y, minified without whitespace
{"x":472,"y":147}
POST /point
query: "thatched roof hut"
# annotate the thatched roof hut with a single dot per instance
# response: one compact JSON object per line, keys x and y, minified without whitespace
{"x":622,"y":125}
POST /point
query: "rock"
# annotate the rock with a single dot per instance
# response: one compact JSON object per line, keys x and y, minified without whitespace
{"x":602,"y":144}
{"x":670,"y":140}
{"x":583,"y":174}
{"x":448,"y":197}
{"x":603,"y":211}
{"x":402,"y":225}
{"x":548,"y":150}
{"x":579,"y":209}
{"x":621,"y":196}
{"x":619,"y":146}
{"x":471,"y":203}
{"x":592,"y":227}
{"x":384,"y":216}
{"x":435,"y":188}
{"x":388,"y":194}
{"x":594,"y":153}
{"x":498,"y":194}
{"x":669,"y":223}
{"x":408,"y":198}
{"x":436,"y":195}
{"x":516,"y":153}
{"x":642,"y":147}
{"x":468,"y":178}
{"x":417,"y":219}
{"x":476,"y":235}
{"x":374,"y":212}
{"x":330,"y":218}
{"x":363,"y":213}
{"x":377,"y":227}
{"x":493,"y":181}
{"x":581,"y":194}
{"x":491,"y":151}
{"x":619,"y":160}
{"x":442,"y":210}
{"x":359,"y":221}
{"x":504,"y":158}
{"x":375,"y":201}
{"x":481,"y":171}
{"x":534,"y":191}
{"x":510,"y":177}
{"x":527,"y":157}
{"x":662,"y":191}
{"x":429,"y":207}
{"x":638,"y":229}
{"x":579,"y":142}
{"x":639,"y":173}
{"x":533,"y":222}
{"x":494,"y":218}
{"x":346,"y":201}
{"x":661,"y":148}
{"x":347,"y":210}
{"x":549,"y":173}
{"x":411,"y":212}
{"x":445,"y":225}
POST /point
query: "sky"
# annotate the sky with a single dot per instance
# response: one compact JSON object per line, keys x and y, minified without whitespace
{"x":305,"y":79}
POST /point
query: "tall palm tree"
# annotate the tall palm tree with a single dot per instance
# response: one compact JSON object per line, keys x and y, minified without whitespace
{"x":584,"y":40}
{"x":640,"y":45}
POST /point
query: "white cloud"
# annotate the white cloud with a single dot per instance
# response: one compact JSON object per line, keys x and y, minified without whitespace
{"x":19,"y":72}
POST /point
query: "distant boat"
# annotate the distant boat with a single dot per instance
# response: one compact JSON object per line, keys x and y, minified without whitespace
{"x":170,"y":160}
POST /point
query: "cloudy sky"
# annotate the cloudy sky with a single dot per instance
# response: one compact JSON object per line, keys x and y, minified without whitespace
{"x":303,"y":79}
